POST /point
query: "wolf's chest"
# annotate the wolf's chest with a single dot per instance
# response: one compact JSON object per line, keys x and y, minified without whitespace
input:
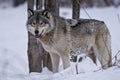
{"x":50,"y":48}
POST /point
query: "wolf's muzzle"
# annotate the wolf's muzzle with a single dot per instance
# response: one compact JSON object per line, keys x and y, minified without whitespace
{"x":36,"y":32}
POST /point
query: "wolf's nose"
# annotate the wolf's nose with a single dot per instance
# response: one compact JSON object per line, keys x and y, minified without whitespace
{"x":36,"y":32}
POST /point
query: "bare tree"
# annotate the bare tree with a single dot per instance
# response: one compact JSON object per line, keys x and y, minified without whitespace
{"x":35,"y":50}
{"x":45,"y":56}
{"x":36,"y":53}
{"x":76,"y":9}
{"x":75,"y":15}
{"x":52,"y":6}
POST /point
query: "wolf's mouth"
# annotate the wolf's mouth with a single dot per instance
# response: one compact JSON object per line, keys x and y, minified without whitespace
{"x":39,"y":35}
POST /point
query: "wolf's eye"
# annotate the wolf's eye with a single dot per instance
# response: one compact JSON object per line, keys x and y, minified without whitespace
{"x":41,"y":23}
{"x":33,"y":23}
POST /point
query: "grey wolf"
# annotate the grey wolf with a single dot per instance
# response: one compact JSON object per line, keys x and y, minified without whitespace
{"x":60,"y":37}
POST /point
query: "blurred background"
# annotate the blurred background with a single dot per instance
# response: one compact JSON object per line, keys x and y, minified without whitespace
{"x":66,"y":3}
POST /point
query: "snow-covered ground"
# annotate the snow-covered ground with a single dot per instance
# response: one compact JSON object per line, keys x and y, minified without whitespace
{"x":13,"y":47}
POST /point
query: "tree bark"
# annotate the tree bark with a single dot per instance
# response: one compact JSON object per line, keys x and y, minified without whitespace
{"x":30,"y":4}
{"x":38,"y":4}
{"x":52,"y":6}
{"x":76,"y":9}
{"x":18,"y":2}
{"x":34,"y":55}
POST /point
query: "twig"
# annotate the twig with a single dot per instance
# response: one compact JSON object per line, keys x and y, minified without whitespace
{"x":114,"y":64}
{"x":118,"y":17}
{"x":87,"y":13}
{"x":116,"y":55}
{"x":117,"y":61}
{"x":76,"y":68}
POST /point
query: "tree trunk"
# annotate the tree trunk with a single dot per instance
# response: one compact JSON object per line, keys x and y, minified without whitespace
{"x":36,"y":53}
{"x":37,"y":56}
{"x":75,"y":15}
{"x":90,"y":3}
{"x":35,"y":50}
{"x":18,"y":2}
{"x":76,"y":9}
{"x":108,"y":2}
{"x":52,"y":6}
{"x":45,"y":55}
{"x":38,"y":4}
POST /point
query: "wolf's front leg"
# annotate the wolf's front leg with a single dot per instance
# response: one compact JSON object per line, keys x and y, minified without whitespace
{"x":65,"y":60}
{"x":55,"y":62}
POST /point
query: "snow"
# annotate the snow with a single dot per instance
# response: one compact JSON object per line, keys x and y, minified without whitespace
{"x":13,"y":47}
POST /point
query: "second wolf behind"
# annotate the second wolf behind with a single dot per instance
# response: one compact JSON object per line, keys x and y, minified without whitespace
{"x":59,"y":37}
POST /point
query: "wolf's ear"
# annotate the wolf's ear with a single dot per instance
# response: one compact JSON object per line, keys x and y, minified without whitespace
{"x":46,"y":14}
{"x":30,"y":13}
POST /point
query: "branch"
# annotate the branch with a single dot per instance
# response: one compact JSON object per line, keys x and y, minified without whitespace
{"x":117,"y":61}
{"x":87,"y":13}
{"x":118,"y":17}
{"x":116,"y":55}
{"x":76,"y":68}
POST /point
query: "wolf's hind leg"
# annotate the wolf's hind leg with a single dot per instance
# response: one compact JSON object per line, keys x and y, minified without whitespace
{"x":104,"y":50}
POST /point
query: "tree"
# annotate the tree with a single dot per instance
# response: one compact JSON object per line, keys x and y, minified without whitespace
{"x":52,"y":6}
{"x":108,"y":2}
{"x":34,"y":57}
{"x":76,"y":9}
{"x":54,"y":9}
{"x":18,"y":2}
{"x":45,"y":55}
{"x":36,"y":53}
{"x":75,"y":15}
{"x":90,"y":3}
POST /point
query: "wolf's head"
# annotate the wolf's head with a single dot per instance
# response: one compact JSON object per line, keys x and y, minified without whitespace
{"x":40,"y":22}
